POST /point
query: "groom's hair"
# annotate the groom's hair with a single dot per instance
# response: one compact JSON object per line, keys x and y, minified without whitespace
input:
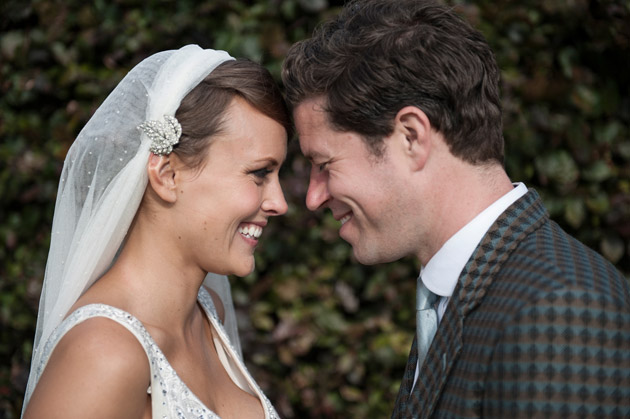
{"x":379,"y":56}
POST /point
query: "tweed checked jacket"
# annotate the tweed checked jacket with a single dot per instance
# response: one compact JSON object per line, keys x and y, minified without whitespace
{"x":537,"y":326}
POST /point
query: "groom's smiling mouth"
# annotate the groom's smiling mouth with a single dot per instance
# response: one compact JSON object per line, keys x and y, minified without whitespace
{"x":345,"y":218}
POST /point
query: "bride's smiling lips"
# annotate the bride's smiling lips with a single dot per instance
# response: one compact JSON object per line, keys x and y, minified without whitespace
{"x":251,"y":231}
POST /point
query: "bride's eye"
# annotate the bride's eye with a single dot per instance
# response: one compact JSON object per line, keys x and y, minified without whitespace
{"x":261,"y":173}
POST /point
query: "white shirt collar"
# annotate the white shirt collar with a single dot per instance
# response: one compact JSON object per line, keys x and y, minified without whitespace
{"x":441,"y":273}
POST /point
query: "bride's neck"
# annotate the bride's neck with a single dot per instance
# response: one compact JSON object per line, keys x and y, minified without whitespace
{"x":153,"y":278}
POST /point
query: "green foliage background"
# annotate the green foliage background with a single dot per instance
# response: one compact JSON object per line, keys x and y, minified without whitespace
{"x":324,"y":336}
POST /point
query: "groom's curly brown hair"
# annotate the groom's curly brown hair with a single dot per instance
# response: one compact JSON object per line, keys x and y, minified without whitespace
{"x":379,"y":56}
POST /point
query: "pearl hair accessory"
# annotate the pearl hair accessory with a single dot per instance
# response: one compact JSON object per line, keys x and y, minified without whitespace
{"x":164,"y":134}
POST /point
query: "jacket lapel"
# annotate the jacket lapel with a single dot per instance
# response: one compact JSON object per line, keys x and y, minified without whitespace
{"x":438,"y":363}
{"x":518,"y":220}
{"x":407,"y":381}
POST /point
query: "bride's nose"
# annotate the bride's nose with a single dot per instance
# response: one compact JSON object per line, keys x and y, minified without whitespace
{"x":273,"y":201}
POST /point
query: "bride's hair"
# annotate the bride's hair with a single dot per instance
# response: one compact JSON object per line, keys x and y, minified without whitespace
{"x":202,"y":112}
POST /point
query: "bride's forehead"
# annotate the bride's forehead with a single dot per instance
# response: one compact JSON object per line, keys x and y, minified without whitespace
{"x":250,"y":142}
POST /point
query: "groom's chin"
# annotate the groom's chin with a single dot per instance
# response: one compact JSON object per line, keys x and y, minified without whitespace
{"x":367,"y":256}
{"x":375,"y":253}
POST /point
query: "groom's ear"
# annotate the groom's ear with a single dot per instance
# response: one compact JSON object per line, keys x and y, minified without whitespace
{"x":161,"y":171}
{"x":415,"y":133}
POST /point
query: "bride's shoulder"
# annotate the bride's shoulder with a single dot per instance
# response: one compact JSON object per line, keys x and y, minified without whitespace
{"x":95,"y":362}
{"x":100,"y":347}
{"x":102,"y":337}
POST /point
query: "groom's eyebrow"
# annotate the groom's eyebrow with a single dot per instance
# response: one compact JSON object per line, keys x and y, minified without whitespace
{"x":313,"y":155}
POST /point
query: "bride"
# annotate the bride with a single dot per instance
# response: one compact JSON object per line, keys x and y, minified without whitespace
{"x":175,"y":176}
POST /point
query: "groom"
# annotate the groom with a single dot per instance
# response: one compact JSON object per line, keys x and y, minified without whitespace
{"x":396,"y":104}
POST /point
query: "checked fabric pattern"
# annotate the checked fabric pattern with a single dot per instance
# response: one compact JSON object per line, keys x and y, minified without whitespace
{"x":538,"y":326}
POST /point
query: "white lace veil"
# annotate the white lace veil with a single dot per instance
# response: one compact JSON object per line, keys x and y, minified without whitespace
{"x":102,"y":183}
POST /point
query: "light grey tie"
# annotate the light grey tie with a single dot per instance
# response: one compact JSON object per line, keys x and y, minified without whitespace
{"x":426,"y":319}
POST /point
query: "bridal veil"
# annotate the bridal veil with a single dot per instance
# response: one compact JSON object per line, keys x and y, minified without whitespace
{"x":102,"y":183}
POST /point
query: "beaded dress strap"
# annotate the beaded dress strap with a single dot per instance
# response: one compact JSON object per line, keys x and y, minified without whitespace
{"x":88,"y":312}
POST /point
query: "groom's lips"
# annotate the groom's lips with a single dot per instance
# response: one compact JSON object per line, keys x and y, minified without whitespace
{"x":343,"y":218}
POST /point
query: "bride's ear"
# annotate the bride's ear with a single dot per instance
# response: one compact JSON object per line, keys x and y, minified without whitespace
{"x":162,"y":177}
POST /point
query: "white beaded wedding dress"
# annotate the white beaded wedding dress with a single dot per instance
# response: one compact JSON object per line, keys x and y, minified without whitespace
{"x":170,"y":397}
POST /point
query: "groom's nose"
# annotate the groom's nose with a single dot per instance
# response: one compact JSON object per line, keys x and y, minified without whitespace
{"x":317,"y":195}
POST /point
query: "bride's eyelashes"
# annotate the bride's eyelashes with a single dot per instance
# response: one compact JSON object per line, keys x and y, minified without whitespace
{"x":261,"y":173}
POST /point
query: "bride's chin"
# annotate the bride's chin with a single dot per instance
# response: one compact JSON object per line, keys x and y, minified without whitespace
{"x":244,"y":271}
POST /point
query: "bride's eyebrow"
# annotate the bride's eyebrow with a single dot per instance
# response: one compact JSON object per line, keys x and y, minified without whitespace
{"x":270,"y":160}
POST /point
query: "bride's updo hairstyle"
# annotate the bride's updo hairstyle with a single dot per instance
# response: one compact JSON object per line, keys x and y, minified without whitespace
{"x":202,"y":112}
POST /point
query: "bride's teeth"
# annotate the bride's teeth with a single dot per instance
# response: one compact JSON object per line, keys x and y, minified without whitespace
{"x":345,"y":219}
{"x":251,"y":231}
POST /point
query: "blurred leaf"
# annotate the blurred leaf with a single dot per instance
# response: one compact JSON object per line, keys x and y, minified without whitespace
{"x":612,"y":248}
{"x":598,"y":203}
{"x":597,"y":172}
{"x":608,"y":133}
{"x":558,"y":167}
{"x":586,"y":99}
{"x":575,"y":213}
